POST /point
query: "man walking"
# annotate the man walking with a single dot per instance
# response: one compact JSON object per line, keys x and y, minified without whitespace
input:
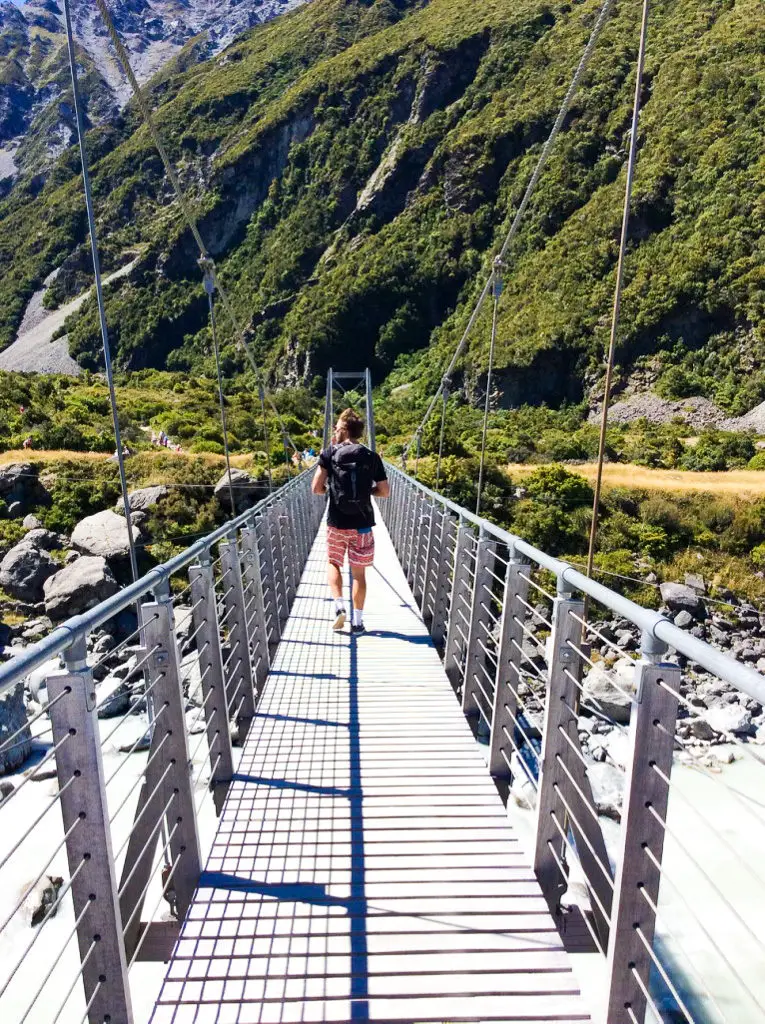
{"x":352,"y":474}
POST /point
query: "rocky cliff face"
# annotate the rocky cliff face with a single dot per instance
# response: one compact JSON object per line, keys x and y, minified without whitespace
{"x":36,"y":118}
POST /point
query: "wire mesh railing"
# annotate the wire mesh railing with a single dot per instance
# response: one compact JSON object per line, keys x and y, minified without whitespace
{"x":596,"y":735}
{"x":121,"y":754}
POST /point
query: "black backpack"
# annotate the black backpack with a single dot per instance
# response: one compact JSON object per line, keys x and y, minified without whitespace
{"x":350,"y":482}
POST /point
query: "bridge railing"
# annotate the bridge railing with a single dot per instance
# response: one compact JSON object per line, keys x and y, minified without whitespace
{"x":124,"y":736}
{"x":568,"y":709}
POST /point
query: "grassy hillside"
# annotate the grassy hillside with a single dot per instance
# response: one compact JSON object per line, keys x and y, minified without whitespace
{"x":355,"y":164}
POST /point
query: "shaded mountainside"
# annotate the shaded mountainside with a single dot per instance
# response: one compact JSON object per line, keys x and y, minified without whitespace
{"x":36,"y":118}
{"x":355,"y":163}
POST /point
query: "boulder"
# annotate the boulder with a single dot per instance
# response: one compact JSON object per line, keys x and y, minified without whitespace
{"x":143,"y":499}
{"x":247,"y":490}
{"x":31,"y":522}
{"x":729,"y":718}
{"x":607,"y":783}
{"x":20,"y":486}
{"x":680,"y":598}
{"x":45,"y":539}
{"x":13,"y":716}
{"x":79,"y":586}
{"x":24,"y":570}
{"x":684,"y":619}
{"x":106,"y":535}
{"x":696,"y":582}
{"x":609,"y":690}
{"x":117,"y":702}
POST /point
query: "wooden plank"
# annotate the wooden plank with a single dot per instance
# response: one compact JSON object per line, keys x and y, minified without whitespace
{"x":364,"y":867}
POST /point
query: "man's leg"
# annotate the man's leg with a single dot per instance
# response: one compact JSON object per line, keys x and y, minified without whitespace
{"x":335,"y":580}
{"x":336,"y":548}
{"x":359,"y":573}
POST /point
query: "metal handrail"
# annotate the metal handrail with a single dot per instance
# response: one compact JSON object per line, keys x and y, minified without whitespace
{"x":66,"y":635}
{"x":651,"y":623}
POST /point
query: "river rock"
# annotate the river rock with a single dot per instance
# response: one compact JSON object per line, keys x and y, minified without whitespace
{"x":729,"y":718}
{"x":104,"y":534}
{"x":117,"y":703}
{"x":79,"y":586}
{"x":609,"y":690}
{"x":13,"y":716}
{"x":42,"y":899}
{"x":678,"y":598}
{"x":143,"y":499}
{"x":31,"y":522}
{"x":684,"y":619}
{"x":247,"y":490}
{"x":24,"y":570}
{"x":607,"y":783}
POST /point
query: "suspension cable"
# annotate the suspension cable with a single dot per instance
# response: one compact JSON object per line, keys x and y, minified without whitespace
{"x":513,"y":231}
{"x":445,"y":400}
{"x":631,"y":161}
{"x":185,"y":207}
{"x":497,"y":288}
{"x":99,"y":286}
{"x":209,"y":282}
{"x":266,"y":442}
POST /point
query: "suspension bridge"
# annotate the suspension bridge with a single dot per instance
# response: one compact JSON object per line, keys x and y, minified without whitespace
{"x":282,"y":823}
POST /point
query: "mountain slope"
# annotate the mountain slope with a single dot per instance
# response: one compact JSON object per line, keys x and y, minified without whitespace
{"x":36,"y":122}
{"x":355,"y":164}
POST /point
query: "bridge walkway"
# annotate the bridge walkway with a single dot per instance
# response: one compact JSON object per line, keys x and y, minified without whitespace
{"x":364,"y":867}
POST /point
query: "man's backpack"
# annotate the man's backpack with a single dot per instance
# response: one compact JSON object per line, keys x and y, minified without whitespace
{"x":350,"y":482}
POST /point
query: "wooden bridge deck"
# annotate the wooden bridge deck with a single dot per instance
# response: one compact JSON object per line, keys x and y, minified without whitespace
{"x":364,"y":868}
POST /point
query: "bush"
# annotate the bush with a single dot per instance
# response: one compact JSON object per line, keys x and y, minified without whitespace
{"x":757,"y":461}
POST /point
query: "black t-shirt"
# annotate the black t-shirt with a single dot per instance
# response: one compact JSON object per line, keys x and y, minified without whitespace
{"x":344,"y":521}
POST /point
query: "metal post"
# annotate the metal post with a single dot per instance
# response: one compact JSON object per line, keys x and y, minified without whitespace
{"x":205,"y":621}
{"x":278,"y":566}
{"x":270,"y":595}
{"x":509,"y":666}
{"x":652,"y":733}
{"x":561,"y":803}
{"x":328,"y":412}
{"x":456,"y":644}
{"x":256,"y":613}
{"x":430,"y":570}
{"x":480,"y":622}
{"x":238,"y":672}
{"x":446,"y":549}
{"x":170,"y":741}
{"x":419,"y":580}
{"x":370,"y":411}
{"x":417,"y":534}
{"x":80,"y":772}
{"x":410,"y":517}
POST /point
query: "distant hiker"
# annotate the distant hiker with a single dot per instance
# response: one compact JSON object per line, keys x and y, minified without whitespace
{"x":354,"y":474}
{"x":27,"y":443}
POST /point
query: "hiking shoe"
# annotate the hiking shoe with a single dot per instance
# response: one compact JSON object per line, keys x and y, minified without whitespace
{"x":358,"y":630}
{"x":339,"y":621}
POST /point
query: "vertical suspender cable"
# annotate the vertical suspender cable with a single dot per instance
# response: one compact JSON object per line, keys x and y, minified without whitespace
{"x":266,"y":441}
{"x":497,"y":288}
{"x":209,"y":281}
{"x":632,"y":159}
{"x":418,"y":452}
{"x":445,"y":397}
{"x":537,"y":173}
{"x":99,"y":288}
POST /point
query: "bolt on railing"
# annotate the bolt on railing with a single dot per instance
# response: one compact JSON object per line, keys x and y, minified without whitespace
{"x":519,"y":649}
{"x":135,"y":760}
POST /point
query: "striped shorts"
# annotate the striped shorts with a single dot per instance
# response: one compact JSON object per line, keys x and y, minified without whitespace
{"x":360,"y":547}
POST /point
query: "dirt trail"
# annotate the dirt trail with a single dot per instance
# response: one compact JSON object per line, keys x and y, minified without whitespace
{"x":732,"y":482}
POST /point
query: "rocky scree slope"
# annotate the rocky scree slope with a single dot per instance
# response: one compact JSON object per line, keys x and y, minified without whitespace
{"x":354,"y":164}
{"x":36,"y":117}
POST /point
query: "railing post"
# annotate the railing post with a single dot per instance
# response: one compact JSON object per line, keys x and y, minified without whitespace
{"x":420,"y":574}
{"x":256,"y":615}
{"x":446,"y":547}
{"x":479,"y":618}
{"x":564,"y":800}
{"x":80,"y":772}
{"x":278,"y":565}
{"x":170,"y":741}
{"x":638,"y":876}
{"x":456,"y":644}
{"x":430,"y":574}
{"x":262,"y":529}
{"x":215,"y":706}
{"x":508,"y":666}
{"x":289,"y":552}
{"x":410,"y":522}
{"x":238,"y":670}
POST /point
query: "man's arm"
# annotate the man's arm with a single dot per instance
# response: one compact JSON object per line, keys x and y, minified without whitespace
{"x":319,"y":482}
{"x":381,"y":487}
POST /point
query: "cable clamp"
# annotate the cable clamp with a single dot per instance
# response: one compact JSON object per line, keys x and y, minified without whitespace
{"x":207,"y":266}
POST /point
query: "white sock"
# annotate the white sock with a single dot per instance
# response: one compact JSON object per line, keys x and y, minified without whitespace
{"x":358,"y":617}
{"x":339,"y":605}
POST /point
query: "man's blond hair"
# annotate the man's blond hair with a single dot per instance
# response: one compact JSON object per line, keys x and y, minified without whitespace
{"x":352,"y":423}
